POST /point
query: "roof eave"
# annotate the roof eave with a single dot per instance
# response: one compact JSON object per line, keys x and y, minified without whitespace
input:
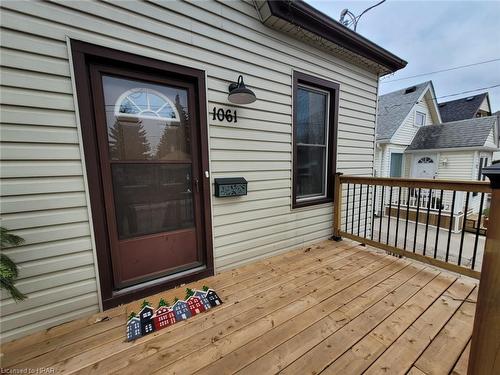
{"x":308,"y":18}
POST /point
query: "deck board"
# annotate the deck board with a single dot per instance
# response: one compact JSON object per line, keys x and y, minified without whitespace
{"x":329,"y":308}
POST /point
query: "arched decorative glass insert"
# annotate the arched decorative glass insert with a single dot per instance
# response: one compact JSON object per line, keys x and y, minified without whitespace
{"x":425,"y":160}
{"x":146,"y":103}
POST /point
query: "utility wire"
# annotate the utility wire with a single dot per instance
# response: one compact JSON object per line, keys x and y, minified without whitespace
{"x":440,"y":71}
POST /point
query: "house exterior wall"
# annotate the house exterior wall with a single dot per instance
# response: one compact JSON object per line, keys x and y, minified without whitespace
{"x":406,"y":132}
{"x":45,"y":199}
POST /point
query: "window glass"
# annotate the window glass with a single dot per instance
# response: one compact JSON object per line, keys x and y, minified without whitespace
{"x":312,"y":142}
{"x":146,"y":121}
{"x":419,"y":118}
{"x":152,"y":198}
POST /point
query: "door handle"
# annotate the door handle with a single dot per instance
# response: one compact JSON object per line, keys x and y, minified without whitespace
{"x":197,"y":184}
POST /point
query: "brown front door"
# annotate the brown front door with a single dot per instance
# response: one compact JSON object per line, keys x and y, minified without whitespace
{"x":149,"y":159}
{"x":145,"y":138}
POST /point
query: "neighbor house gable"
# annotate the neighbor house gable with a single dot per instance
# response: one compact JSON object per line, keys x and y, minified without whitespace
{"x":425,"y":104}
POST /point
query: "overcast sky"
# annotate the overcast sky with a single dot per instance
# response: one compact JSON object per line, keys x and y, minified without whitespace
{"x":433,"y":35}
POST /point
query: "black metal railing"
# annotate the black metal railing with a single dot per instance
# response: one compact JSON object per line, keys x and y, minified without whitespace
{"x":435,"y":221}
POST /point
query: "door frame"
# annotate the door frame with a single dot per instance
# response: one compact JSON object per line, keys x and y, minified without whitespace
{"x":82,"y":55}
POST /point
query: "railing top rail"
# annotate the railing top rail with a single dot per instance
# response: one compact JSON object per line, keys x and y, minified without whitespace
{"x":471,"y":186}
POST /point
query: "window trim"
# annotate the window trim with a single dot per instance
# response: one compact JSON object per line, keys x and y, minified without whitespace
{"x":303,"y":79}
{"x":425,"y":118}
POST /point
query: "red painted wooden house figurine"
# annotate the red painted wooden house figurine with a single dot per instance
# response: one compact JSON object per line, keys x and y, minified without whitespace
{"x":195,"y":305}
{"x":163,"y":317}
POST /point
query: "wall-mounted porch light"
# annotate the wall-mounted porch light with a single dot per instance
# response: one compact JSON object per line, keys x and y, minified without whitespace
{"x":239,"y":93}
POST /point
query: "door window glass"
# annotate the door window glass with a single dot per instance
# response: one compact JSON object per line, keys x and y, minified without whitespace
{"x":146,"y":121}
{"x":152,"y":198}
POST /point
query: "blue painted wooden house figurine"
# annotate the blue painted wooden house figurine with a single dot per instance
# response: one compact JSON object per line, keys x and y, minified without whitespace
{"x":181,"y":310}
{"x":133,"y":328}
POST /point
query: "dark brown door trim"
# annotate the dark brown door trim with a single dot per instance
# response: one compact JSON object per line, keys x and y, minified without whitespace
{"x":84,"y":55}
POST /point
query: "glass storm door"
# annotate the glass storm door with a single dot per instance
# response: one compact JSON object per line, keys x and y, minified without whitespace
{"x":149,"y":163}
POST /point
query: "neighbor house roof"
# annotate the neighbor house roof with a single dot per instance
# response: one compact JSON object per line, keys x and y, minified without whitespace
{"x":461,"y":109}
{"x":464,"y":133}
{"x":308,"y":18}
{"x":395,"y":106}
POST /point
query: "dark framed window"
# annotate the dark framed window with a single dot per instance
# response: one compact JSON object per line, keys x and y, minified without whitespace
{"x":315,"y":118}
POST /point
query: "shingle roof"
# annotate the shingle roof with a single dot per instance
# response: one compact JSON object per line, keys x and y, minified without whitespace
{"x":461,"y":109}
{"x":394,"y":107}
{"x":465,"y":133}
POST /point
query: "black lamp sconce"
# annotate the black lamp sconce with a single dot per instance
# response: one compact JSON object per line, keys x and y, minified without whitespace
{"x":239,"y":93}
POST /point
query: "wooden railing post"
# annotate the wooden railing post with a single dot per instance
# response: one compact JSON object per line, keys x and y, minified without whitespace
{"x":337,"y":208}
{"x":484,"y":356}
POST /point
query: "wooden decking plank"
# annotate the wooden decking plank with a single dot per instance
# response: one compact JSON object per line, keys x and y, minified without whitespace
{"x":71,"y":333}
{"x":237,"y":276}
{"x":115,"y":353}
{"x":292,"y":301}
{"x":301,"y":343}
{"x":358,"y":321}
{"x":415,"y":371}
{"x":243,"y":336}
{"x":358,"y":358}
{"x":445,"y":350}
{"x":250,"y":352}
{"x":462,"y":363}
{"x":401,"y":355}
{"x":109,"y":337}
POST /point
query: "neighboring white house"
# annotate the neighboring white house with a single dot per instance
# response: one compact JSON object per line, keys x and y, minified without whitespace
{"x":117,"y":122}
{"x":400,"y":115}
{"x":413,"y":140}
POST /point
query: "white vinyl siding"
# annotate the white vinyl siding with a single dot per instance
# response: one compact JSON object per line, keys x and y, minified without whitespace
{"x":405,"y":133}
{"x":43,"y":177}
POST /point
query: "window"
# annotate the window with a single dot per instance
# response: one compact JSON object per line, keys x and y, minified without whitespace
{"x":396,"y":164}
{"x":419,"y":118}
{"x":314,"y":132}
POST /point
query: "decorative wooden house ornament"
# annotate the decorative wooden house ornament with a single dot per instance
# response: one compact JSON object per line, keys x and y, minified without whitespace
{"x":181,"y":310}
{"x":163,"y":316}
{"x":133,"y":327}
{"x":212,"y":297}
{"x":203,"y":298}
{"x":149,"y":320}
{"x":146,"y":317}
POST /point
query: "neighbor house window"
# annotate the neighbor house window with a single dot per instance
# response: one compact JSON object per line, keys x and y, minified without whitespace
{"x":419,"y":118}
{"x":314,"y":130}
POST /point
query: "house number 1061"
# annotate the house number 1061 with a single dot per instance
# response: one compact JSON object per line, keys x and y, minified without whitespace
{"x":221,"y":115}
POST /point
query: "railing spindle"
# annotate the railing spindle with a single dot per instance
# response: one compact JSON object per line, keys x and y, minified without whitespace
{"x":417,"y":219}
{"x":463,"y":228}
{"x":359,"y":208}
{"x":347,"y":207}
{"x":478,"y":229}
{"x":366,"y":208}
{"x":429,"y":202}
{"x":407,"y":216}
{"x":353,"y":207}
{"x":373,"y":210}
{"x":397,"y":220}
{"x":451,"y":224}
{"x":438,"y":227}
{"x":389,"y":216}
{"x":381,"y":214}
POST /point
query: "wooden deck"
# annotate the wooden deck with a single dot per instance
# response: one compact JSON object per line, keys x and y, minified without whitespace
{"x":333,"y":308}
